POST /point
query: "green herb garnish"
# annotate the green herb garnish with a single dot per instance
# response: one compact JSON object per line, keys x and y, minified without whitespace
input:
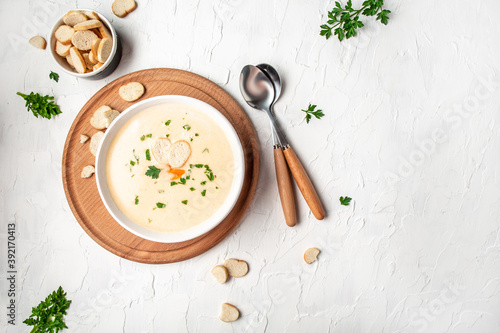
{"x":345,"y":21}
{"x":146,"y":136}
{"x":196,"y":134}
{"x":132,"y":163}
{"x":205,"y":150}
{"x":203,"y":182}
{"x":312,"y":112}
{"x":136,"y":199}
{"x":149,"y":220}
{"x":199,"y":166}
{"x":192,"y":189}
{"x":203,"y":193}
{"x":182,"y":181}
{"x":153,"y":172}
{"x":54,"y":76}
{"x":161,"y":191}
{"x":184,"y":202}
{"x":160,"y":205}
{"x":167,"y":135}
{"x":41,"y":105}
{"x":168,"y":122}
{"x":148,"y":156}
{"x":173,"y":183}
{"x":345,"y":201}
{"x":48,"y":316}
{"x":186,"y":127}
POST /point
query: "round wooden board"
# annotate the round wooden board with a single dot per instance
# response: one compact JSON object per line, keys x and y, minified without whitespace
{"x":83,"y":196}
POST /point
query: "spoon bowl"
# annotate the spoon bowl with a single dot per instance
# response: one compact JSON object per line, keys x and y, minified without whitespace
{"x":256,"y":88}
{"x":275,"y":79}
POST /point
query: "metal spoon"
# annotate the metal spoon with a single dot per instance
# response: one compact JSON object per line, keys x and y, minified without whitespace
{"x":258,"y":91}
{"x":276,"y":80}
{"x":282,"y":173}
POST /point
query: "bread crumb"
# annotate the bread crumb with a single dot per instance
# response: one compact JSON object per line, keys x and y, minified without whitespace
{"x":220,"y":273}
{"x":311,"y":255}
{"x":131,"y":91}
{"x":229,"y":313}
{"x":84,"y":138}
{"x":236,"y":268}
{"x":88,"y":171}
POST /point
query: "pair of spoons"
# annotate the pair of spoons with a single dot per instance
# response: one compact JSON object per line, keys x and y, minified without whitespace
{"x":261,"y":87}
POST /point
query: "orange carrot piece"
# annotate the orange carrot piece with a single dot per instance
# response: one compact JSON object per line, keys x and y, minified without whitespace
{"x":177,"y":173}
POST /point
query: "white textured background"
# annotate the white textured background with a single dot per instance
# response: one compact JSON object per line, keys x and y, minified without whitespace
{"x":410,"y":133}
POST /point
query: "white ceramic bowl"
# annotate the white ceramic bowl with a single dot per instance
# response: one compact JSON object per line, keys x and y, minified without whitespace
{"x":200,"y":229}
{"x":106,"y":69}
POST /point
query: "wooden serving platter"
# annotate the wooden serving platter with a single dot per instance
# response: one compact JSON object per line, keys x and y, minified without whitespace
{"x":83,"y":196}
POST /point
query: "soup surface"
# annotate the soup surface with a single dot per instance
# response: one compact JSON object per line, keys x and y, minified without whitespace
{"x":155,"y":195}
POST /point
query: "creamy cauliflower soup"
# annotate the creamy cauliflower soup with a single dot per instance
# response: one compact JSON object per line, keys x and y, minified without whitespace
{"x":169,"y":168}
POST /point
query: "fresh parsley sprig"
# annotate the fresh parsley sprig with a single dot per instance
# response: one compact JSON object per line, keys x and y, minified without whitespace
{"x":153,"y":172}
{"x":54,"y":76}
{"x":344,"y":22}
{"x":311,"y":111}
{"x":48,"y":316}
{"x":41,"y":105}
{"x":344,"y":201}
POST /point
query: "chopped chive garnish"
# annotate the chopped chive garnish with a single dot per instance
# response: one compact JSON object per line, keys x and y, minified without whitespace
{"x":203,"y":182}
{"x":149,"y":135}
{"x":132,"y":163}
{"x":136,"y":199}
{"x":148,"y":156}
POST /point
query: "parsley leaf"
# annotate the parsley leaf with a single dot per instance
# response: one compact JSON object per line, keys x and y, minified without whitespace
{"x":185,"y":202}
{"x":311,"y":111}
{"x":160,"y":205}
{"x":54,"y":76}
{"x":47,"y":317}
{"x":153,"y":172}
{"x":203,"y":193}
{"x":168,"y":122}
{"x":344,"y":201}
{"x":344,"y":22}
{"x":41,"y":105}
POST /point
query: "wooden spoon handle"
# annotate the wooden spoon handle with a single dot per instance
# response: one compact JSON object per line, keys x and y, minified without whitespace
{"x":304,"y":183}
{"x":285,"y":188}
